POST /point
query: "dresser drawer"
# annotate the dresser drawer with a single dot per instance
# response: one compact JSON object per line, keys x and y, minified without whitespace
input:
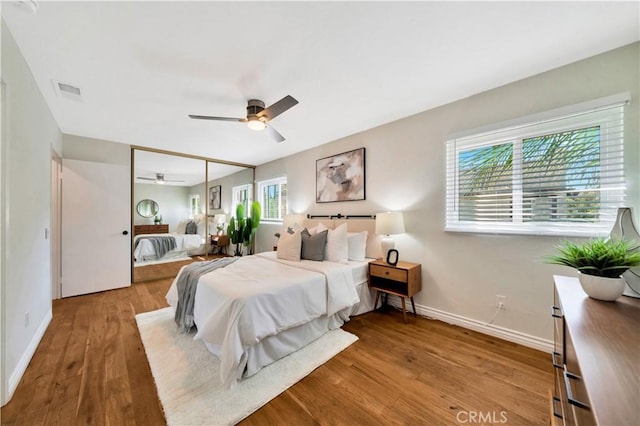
{"x":388,"y":273}
{"x":574,"y":388}
{"x":150,"y":229}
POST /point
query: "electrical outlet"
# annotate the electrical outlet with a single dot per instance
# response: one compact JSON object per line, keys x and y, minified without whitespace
{"x":500,"y":301}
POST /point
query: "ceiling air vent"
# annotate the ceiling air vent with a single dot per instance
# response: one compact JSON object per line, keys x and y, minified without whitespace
{"x":27,"y":5}
{"x":67,"y":91}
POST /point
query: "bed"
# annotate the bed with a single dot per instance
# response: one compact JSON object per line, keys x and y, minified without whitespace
{"x":150,"y":246}
{"x":261,"y":308}
{"x":174,"y":245}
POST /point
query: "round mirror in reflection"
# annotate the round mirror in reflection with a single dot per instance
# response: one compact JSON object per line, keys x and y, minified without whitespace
{"x":147,"y":208}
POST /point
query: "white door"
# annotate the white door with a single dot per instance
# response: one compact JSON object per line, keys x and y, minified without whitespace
{"x":96,"y":252}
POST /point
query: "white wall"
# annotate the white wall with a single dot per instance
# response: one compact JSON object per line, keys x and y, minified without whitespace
{"x":31,"y":133}
{"x":405,"y":170}
{"x":226,"y":183}
{"x":173,"y":203}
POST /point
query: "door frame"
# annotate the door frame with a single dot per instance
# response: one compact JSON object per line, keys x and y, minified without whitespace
{"x":56,"y":225}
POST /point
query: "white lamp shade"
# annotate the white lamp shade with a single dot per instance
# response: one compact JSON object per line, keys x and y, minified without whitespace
{"x":389,"y":223}
{"x":220,"y":218}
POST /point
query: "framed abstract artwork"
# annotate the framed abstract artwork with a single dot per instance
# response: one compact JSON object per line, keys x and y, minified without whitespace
{"x":215,"y":197}
{"x":341,"y":177}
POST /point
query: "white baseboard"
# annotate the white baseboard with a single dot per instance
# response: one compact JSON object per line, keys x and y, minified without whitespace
{"x":481,"y":327}
{"x":23,"y":363}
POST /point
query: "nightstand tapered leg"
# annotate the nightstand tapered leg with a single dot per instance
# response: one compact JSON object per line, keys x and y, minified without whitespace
{"x":413,"y":305}
{"x":375,"y":305}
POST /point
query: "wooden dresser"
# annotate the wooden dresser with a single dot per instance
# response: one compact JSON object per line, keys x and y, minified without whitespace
{"x":596,"y":358}
{"x":150,"y":229}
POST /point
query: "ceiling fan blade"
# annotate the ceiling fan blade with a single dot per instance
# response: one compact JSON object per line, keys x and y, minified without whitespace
{"x":278,"y":108}
{"x":273,"y":133}
{"x":145,"y":178}
{"x":208,"y":117}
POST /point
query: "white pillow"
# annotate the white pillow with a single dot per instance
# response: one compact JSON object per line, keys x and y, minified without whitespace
{"x":198,"y":218}
{"x":357,"y":245}
{"x":200,"y":230}
{"x":289,"y":246}
{"x":211,"y":226}
{"x":337,"y":249}
{"x":182,"y":227}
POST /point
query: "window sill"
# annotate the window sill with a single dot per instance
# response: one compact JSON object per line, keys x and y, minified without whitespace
{"x":550,"y":231}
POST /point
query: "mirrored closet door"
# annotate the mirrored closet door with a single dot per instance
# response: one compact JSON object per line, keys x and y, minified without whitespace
{"x":180,"y":209}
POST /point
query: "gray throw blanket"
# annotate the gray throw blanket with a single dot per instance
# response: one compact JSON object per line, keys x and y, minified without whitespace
{"x":161,"y":245}
{"x":186,"y":284}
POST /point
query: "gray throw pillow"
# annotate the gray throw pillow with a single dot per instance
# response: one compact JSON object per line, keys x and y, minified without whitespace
{"x":191,"y":228}
{"x":313,"y":245}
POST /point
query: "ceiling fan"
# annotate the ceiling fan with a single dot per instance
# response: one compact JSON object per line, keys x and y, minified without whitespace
{"x":258,"y":117}
{"x":158,"y":179}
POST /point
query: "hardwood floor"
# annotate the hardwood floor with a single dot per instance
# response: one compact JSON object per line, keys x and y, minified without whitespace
{"x":165,"y":270}
{"x":91,"y":369}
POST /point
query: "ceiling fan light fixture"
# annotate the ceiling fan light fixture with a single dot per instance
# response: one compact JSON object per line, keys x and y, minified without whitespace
{"x":258,"y":116}
{"x":254,"y":123}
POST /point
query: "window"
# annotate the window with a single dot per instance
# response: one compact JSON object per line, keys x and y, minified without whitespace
{"x":273,"y":199}
{"x":194,"y":204}
{"x":242,"y":194}
{"x":561,"y":175}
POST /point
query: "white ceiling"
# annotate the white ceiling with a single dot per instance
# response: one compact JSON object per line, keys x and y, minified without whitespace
{"x":143,"y":67}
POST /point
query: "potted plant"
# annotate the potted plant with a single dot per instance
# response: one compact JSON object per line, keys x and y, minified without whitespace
{"x":600,"y":264}
{"x":242,"y":230}
{"x":251,"y":226}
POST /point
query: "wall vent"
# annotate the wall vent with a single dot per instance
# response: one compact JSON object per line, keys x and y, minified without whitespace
{"x":27,"y":5}
{"x":68,"y":91}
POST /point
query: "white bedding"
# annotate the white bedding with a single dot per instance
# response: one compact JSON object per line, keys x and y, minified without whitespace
{"x":184,"y":242}
{"x":259,"y":296}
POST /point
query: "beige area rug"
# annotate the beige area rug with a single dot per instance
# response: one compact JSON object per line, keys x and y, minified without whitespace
{"x":186,"y":374}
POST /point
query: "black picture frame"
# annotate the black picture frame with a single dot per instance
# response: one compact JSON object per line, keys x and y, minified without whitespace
{"x":392,"y":257}
{"x":341,"y":177}
{"x":215,"y":197}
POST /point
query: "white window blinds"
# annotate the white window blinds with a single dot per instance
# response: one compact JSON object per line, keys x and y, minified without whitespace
{"x":561,"y":175}
{"x":273,"y":199}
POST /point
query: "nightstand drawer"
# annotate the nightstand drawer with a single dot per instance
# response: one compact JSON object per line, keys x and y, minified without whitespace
{"x":388,"y":272}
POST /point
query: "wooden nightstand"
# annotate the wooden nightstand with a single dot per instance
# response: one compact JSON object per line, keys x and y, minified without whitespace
{"x":403,"y":280}
{"x":221,"y":242}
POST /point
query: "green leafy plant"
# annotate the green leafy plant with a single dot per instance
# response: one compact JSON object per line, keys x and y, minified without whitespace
{"x":242,"y":230}
{"x":251,"y":226}
{"x":600,"y":257}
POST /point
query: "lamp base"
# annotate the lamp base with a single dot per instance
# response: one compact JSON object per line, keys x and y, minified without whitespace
{"x":386,"y":244}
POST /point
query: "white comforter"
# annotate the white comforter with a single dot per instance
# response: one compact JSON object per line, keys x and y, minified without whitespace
{"x":144,"y":250}
{"x":259,"y":296}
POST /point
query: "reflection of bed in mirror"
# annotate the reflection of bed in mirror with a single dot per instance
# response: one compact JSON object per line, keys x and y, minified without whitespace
{"x":170,"y":187}
{"x":187,"y":240}
{"x":155,"y":247}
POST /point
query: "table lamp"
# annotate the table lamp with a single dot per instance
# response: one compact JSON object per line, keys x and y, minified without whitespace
{"x":387,"y":224}
{"x":219,"y":220}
